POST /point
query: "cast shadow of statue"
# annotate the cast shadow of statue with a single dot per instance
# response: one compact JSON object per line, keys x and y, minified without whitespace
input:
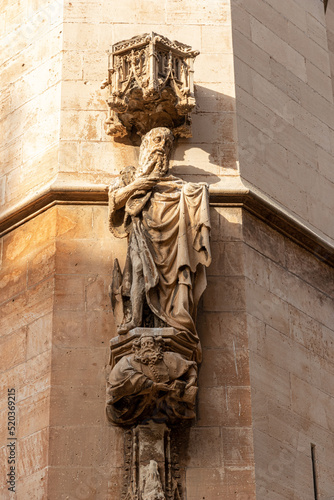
{"x":211,"y":152}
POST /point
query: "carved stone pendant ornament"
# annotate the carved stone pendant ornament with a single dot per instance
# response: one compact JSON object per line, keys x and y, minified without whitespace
{"x":146,"y":478}
{"x":150,"y":81}
{"x":152,"y":383}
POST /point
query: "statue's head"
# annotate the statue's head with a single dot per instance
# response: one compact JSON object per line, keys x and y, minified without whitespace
{"x":155,"y":151}
{"x":148,"y":349}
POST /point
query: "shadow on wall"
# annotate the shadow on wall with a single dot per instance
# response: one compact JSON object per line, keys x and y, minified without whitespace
{"x":211,"y":152}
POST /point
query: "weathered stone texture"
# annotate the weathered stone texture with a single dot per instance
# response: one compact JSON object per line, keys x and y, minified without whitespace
{"x":26,"y":304}
{"x":289,"y":304}
{"x":284,"y":104}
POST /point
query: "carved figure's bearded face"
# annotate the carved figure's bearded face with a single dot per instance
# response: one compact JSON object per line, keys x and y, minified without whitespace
{"x":155,"y":151}
{"x":148,"y":350}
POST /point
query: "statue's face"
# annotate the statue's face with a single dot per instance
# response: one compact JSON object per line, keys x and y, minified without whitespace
{"x":147,"y":344}
{"x":155,"y":152}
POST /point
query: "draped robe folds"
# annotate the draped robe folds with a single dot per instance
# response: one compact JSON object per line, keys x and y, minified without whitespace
{"x":168,"y":228}
{"x":133,"y":395}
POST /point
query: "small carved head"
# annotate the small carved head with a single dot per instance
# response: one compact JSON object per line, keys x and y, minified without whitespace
{"x":155,"y":151}
{"x":148,"y":348}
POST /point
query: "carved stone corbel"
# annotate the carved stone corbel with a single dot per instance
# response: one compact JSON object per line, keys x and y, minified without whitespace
{"x":150,"y":82}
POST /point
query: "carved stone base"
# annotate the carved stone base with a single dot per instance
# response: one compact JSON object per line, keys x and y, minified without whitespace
{"x":175,"y":341}
{"x":151,"y":470}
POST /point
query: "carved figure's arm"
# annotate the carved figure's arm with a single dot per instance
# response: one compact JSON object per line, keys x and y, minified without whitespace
{"x":121,"y":195}
{"x":191,"y":377}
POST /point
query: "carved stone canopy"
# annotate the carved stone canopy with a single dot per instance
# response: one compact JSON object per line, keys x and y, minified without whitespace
{"x":150,"y":81}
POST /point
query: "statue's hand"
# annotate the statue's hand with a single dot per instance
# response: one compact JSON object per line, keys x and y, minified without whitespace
{"x":191,"y":380}
{"x":161,"y":387}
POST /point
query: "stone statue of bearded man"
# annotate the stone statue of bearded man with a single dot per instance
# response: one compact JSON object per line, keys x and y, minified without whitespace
{"x":151,"y":384}
{"x":167,"y":224}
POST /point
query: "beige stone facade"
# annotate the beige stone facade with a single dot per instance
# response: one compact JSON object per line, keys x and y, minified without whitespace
{"x":263,"y":138}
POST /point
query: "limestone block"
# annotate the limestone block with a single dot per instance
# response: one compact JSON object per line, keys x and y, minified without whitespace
{"x":324,"y":164}
{"x":216,"y":39}
{"x":264,"y":239}
{"x":310,"y":270}
{"x":72,"y":65}
{"x":224,"y":367}
{"x":285,"y":80}
{"x":227,"y":296}
{"x":278,"y":49}
{"x":241,"y":19}
{"x":13,"y":349}
{"x":85,"y":364}
{"x":34,"y":486}
{"x":214,"y":68}
{"x":34,"y":413}
{"x":237,"y":447}
{"x":251,"y":54}
{"x":82,"y":125}
{"x":315,"y":9}
{"x":295,"y":12}
{"x":33,"y":453}
{"x":39,"y":336}
{"x":306,"y":331}
{"x":86,"y":402}
{"x":203,"y":450}
{"x":268,"y":16}
{"x":187,"y":12}
{"x":317,"y":406}
{"x":83,"y":95}
{"x":74,"y":330}
{"x":306,"y":47}
{"x":223,"y":330}
{"x":226,"y":407}
{"x":271,"y":380}
{"x":317,"y":30}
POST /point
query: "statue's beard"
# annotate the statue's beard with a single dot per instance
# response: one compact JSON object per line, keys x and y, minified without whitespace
{"x":156,"y":163}
{"x":149,"y":356}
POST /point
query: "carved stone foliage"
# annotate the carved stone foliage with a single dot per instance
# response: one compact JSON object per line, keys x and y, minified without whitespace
{"x":150,"y":83}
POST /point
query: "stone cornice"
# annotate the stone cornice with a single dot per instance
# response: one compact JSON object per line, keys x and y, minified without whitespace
{"x":245,"y":197}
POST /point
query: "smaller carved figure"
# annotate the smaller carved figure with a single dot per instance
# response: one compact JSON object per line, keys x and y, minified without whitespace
{"x":152,"y":487}
{"x":151,"y":384}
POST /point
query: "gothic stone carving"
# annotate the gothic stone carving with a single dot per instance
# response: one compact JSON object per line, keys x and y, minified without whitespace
{"x":150,"y":84}
{"x":151,"y":384}
{"x":167,"y":224}
{"x":146,"y":478}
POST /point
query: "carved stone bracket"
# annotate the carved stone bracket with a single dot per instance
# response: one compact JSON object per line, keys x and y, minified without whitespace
{"x":150,"y":82}
{"x":152,"y":378}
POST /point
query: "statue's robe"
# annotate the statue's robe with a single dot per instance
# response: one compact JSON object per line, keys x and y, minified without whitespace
{"x":168,"y":228}
{"x":133,"y":396}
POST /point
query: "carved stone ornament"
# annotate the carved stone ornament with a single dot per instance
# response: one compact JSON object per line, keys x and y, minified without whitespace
{"x":150,"y":81}
{"x":152,"y":383}
{"x":146,"y":478}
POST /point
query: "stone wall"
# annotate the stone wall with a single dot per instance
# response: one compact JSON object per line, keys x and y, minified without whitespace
{"x":285,"y":105}
{"x":27,"y":284}
{"x":289,"y":302}
{"x":264,"y":120}
{"x":31,"y":69}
